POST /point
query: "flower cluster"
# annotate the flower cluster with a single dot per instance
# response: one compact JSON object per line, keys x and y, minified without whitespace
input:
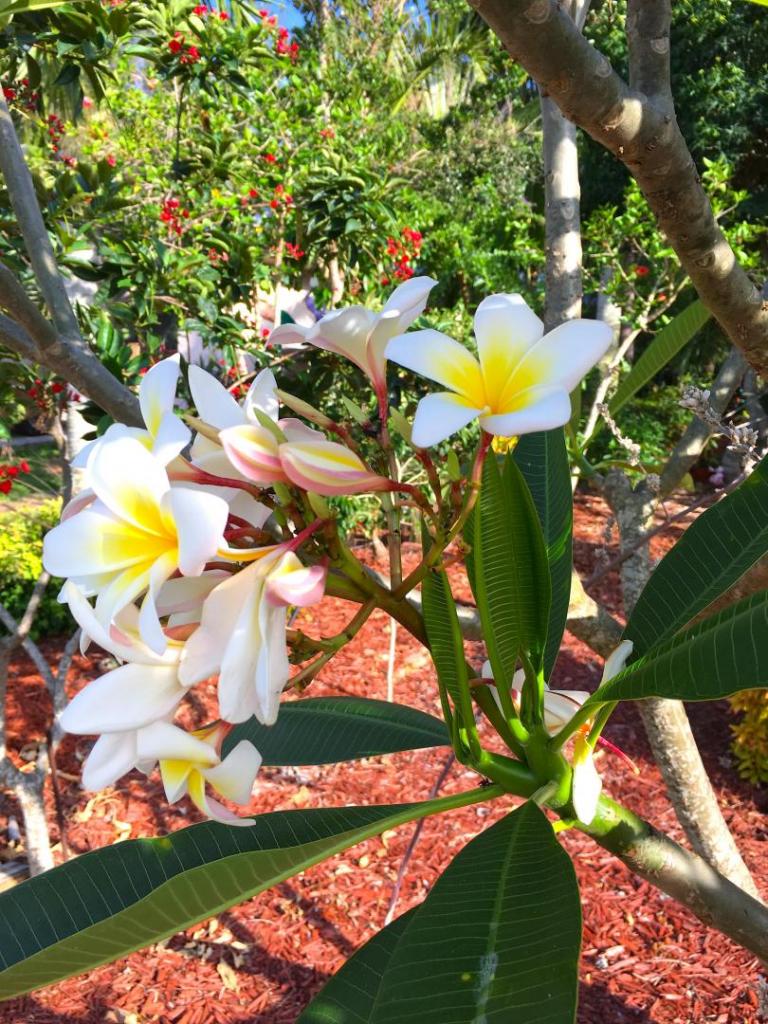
{"x":186,"y":52}
{"x":293,"y":250}
{"x":285,"y":47}
{"x":9,"y":473}
{"x":202,"y":11}
{"x":280,"y":197}
{"x":45,"y":393}
{"x":405,"y":251}
{"x":175,"y":563}
{"x":173,"y":214}
{"x":22,"y":95}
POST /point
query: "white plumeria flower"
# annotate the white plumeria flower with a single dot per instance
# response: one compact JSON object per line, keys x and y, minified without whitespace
{"x":135,"y":535}
{"x":587,"y":784}
{"x":189,"y":761}
{"x":242,"y":635}
{"x":118,"y":704}
{"x":360,"y":335}
{"x":248,"y":450}
{"x":166,"y":435}
{"x":559,"y":705}
{"x":521,"y":381}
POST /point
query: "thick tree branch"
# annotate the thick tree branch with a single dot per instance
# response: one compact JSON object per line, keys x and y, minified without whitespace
{"x":643,"y":133}
{"x":61,"y":349}
{"x":648,"y":23}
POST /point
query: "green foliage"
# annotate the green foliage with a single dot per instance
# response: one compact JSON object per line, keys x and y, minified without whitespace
{"x":21,"y":551}
{"x":325,"y":730}
{"x":459,"y":957}
{"x":750,"y":735}
{"x":713,"y":553}
{"x":543,"y":461}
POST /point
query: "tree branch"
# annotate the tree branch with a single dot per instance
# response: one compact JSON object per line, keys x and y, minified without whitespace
{"x":648,"y":23}
{"x":643,"y":134}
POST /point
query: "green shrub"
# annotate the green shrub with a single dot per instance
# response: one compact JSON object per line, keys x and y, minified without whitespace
{"x":21,"y":553}
{"x":750,"y":735}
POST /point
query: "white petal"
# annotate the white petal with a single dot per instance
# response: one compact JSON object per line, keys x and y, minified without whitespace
{"x":213,"y":402}
{"x":436,"y":356}
{"x":157,"y":392}
{"x":543,"y":409}
{"x":345,"y":331}
{"x":562,"y":357}
{"x":235,"y":776}
{"x":92,"y":542}
{"x":261,"y":395}
{"x":129,"y":697}
{"x":438,"y":416}
{"x":85,"y":617}
{"x":130,"y":482}
{"x":171,"y":438}
{"x":409,"y":299}
{"x":187,"y":593}
{"x":587,"y":786}
{"x":200,"y":520}
{"x":505,"y":329}
{"x":616,"y":660}
{"x":289,"y":334}
{"x":163,"y":741}
{"x":273,"y":668}
{"x":111,"y":757}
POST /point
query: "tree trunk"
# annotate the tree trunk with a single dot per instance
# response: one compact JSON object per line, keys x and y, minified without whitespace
{"x":666,"y":723}
{"x":37,"y":842}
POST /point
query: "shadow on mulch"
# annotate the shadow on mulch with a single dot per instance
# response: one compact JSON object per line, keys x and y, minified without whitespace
{"x":599,"y":1006}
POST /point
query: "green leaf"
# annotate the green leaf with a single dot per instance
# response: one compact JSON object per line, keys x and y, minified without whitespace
{"x":105,"y":904}
{"x":723,"y":654}
{"x":543,"y":460}
{"x":350,"y":995}
{"x":510,"y":576}
{"x":497,"y":939}
{"x":446,"y":643}
{"x":665,"y":346}
{"x":713,"y":553}
{"x":323,"y":730}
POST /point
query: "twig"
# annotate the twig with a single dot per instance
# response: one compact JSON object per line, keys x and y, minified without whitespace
{"x":414,"y":840}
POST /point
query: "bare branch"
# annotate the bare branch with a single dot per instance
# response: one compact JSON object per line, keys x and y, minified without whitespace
{"x":29,"y":646}
{"x":645,"y":136}
{"x":648,"y":24}
{"x":14,"y":299}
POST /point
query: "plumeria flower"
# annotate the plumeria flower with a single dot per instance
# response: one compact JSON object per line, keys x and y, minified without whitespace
{"x":143,"y":690}
{"x":559,"y":705}
{"x":587,"y":784}
{"x":166,"y":436}
{"x":521,"y":381}
{"x":242,"y":635}
{"x":360,"y":335}
{"x":329,"y":468}
{"x":190,"y":761}
{"x":135,"y":534}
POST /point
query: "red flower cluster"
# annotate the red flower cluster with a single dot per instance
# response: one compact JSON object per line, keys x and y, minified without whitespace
{"x":215,"y":257}
{"x":270,"y":158}
{"x":112,"y":160}
{"x":280,"y":196}
{"x":202,"y":11}
{"x":171,"y":215}
{"x":56,"y":131}
{"x":293,"y":251}
{"x":21,"y":94}
{"x":327,"y":133}
{"x":405,"y":251}
{"x":9,"y":472}
{"x":284,"y":47}
{"x":176,"y":44}
{"x":43,"y":393}
{"x":253,"y":193}
{"x":641,"y":270}
{"x":270,"y":20}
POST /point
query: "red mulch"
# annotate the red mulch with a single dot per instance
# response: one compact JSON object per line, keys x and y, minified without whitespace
{"x":645,"y":958}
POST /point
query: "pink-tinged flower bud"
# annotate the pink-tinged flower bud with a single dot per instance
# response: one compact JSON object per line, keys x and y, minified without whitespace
{"x":291,"y":583}
{"x":254,"y":451}
{"x":328,"y":468}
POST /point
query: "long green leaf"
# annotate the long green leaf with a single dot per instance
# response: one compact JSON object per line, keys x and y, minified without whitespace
{"x":713,"y":553}
{"x":497,"y":939}
{"x":511,"y":575}
{"x":350,"y":995}
{"x":665,"y":346}
{"x":110,"y":902}
{"x":543,"y":460}
{"x":723,"y":654}
{"x":324,"y":730}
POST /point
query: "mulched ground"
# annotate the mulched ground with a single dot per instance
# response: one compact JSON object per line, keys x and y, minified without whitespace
{"x":645,"y":959}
